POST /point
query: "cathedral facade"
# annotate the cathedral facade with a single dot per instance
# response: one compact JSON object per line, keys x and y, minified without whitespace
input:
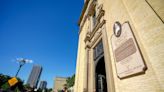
{"x":121,"y":46}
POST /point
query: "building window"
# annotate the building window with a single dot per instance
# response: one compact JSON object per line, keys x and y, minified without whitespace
{"x":98,"y":50}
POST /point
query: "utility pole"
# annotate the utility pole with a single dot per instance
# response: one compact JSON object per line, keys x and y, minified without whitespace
{"x":21,"y":63}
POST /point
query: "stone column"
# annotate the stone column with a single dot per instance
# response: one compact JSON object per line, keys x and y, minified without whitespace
{"x":86,"y":62}
{"x":92,"y":73}
{"x":86,"y":71}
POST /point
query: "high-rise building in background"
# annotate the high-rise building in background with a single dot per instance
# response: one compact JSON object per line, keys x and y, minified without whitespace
{"x":34,"y":76}
{"x":43,"y":85}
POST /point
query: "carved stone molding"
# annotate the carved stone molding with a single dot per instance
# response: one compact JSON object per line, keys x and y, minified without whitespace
{"x":98,"y":25}
{"x":100,"y":14}
{"x":87,"y":38}
{"x":95,"y":33}
{"x":83,"y":11}
{"x":91,"y":37}
{"x":91,"y":8}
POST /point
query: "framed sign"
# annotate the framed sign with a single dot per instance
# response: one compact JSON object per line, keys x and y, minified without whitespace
{"x":13,"y":81}
{"x":127,"y":55}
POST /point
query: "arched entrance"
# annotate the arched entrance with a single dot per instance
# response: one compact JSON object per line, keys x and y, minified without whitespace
{"x":100,"y":70}
{"x":101,"y":84}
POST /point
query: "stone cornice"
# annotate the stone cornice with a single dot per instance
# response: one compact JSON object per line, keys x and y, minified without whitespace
{"x":83,"y":17}
{"x":101,"y":13}
{"x":90,"y":12}
{"x":91,"y":36}
{"x":82,"y":23}
{"x":83,"y":11}
{"x":99,"y":25}
{"x":96,"y":38}
{"x":91,"y":8}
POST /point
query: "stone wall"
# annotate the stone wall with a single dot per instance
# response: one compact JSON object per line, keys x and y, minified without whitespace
{"x":146,"y":19}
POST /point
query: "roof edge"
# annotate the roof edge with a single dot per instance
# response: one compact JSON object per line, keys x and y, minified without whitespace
{"x":83,"y":11}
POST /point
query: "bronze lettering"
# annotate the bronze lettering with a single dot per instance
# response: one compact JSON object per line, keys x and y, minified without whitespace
{"x":126,"y":49}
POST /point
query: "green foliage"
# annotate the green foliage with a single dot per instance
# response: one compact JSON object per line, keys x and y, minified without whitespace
{"x":70,"y":81}
{"x":39,"y":90}
{"x":5,"y":85}
{"x":49,"y":90}
{"x":45,"y":90}
{"x":59,"y":90}
{"x":3,"y":79}
{"x":17,"y":89}
{"x":27,"y":87}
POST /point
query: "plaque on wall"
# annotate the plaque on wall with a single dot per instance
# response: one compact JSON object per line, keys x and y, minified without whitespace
{"x":127,"y":56}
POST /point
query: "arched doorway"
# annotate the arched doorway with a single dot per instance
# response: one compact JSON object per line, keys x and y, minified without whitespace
{"x":101,"y":84}
{"x":100,"y":71}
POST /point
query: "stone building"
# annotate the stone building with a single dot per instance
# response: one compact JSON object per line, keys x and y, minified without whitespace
{"x":121,"y":46}
{"x":59,"y":83}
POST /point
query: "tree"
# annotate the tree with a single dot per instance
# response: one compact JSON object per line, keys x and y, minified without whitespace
{"x":6,"y":87}
{"x":49,"y":90}
{"x":4,"y":82}
{"x":3,"y":79}
{"x":70,"y":81}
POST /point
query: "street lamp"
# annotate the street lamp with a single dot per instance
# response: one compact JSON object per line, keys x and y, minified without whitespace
{"x":22,"y":61}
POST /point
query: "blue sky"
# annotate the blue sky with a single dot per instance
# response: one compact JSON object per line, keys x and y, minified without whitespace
{"x":45,"y":31}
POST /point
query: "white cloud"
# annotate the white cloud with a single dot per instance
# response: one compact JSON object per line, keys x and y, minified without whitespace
{"x":22,"y":59}
{"x":29,"y":61}
{"x":19,"y":59}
